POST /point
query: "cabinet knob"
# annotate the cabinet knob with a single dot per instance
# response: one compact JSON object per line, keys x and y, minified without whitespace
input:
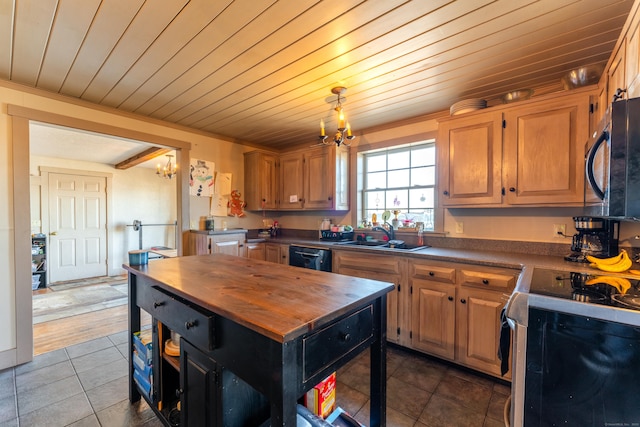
{"x":157,"y":304}
{"x":345,"y":336}
{"x":485,"y":281}
{"x":512,"y":189}
{"x":190,"y":324}
{"x":329,"y":198}
{"x":464,"y":301}
{"x":450,"y":298}
{"x":431,"y":273}
{"x":53,"y":233}
{"x":445,"y":192}
{"x":178,"y":392}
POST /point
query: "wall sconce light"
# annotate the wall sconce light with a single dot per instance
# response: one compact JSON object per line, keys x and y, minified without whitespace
{"x":168,"y":171}
{"x":344,"y":128}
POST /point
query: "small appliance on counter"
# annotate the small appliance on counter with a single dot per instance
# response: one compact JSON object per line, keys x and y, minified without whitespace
{"x":595,"y":236}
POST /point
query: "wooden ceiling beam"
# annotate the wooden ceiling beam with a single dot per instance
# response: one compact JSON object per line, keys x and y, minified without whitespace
{"x":142,"y":157}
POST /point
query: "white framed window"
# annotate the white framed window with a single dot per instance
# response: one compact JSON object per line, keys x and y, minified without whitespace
{"x":400,"y":180}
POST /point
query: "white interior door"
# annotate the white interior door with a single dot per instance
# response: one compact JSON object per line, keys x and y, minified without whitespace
{"x":77,"y":227}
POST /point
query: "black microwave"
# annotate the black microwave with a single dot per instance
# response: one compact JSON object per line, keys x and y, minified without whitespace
{"x":612,"y":184}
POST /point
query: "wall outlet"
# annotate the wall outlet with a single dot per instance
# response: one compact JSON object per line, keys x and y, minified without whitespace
{"x":459,"y":227}
{"x":193,"y":225}
{"x":559,"y":230}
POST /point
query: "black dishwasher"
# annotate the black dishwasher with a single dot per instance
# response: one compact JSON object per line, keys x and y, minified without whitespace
{"x":310,"y":257}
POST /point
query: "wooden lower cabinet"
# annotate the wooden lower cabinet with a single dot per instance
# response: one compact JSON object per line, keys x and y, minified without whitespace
{"x":224,"y":243}
{"x":449,"y":310}
{"x":478,"y":323}
{"x":277,"y":253}
{"x":255,"y":250}
{"x":390,"y":269}
{"x":433,"y":313}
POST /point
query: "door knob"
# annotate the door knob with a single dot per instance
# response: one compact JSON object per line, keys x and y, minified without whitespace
{"x":53,"y":233}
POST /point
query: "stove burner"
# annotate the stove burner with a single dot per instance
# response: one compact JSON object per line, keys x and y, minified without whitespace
{"x":627,"y":301}
{"x":584,"y":295}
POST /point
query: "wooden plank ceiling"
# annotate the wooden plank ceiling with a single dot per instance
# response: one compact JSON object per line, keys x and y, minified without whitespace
{"x":261,"y":71}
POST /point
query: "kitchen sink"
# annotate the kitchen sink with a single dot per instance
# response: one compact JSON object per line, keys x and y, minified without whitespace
{"x":378,"y":244}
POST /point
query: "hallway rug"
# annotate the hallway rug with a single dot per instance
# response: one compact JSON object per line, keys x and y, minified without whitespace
{"x":70,"y":302}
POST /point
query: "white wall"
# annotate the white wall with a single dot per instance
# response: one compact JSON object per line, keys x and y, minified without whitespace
{"x":136,"y":193}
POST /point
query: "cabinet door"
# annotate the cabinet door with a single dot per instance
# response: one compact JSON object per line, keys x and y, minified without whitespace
{"x":633,"y":62}
{"x":387,"y":269}
{"x":230,"y":244}
{"x":291,"y":181}
{"x":433,"y":317}
{"x":544,"y":151}
{"x":200,"y":400}
{"x":616,"y":73}
{"x":277,"y":253}
{"x":256,"y":251}
{"x":261,"y":181}
{"x":319,"y":178}
{"x":470,"y":159}
{"x":478,"y":323}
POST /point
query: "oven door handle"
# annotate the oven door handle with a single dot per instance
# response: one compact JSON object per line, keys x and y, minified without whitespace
{"x":304,"y":254}
{"x":604,"y":136}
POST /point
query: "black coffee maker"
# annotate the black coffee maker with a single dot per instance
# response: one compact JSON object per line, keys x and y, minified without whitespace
{"x":595,"y":236}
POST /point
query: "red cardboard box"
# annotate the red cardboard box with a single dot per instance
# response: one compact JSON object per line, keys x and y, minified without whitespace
{"x":321,"y":400}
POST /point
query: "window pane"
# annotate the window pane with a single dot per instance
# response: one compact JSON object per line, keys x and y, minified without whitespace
{"x":421,"y":198}
{"x":376,"y":180}
{"x":377,"y":162}
{"x":375,"y":200}
{"x":399,"y":160}
{"x":423,"y":157}
{"x":399,"y":178}
{"x":423,"y":176}
{"x":397,"y":200}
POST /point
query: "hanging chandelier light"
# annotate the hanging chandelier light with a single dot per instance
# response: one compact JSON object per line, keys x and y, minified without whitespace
{"x":168,"y":171}
{"x":344,"y":128}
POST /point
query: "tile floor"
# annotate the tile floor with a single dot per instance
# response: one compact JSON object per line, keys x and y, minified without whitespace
{"x":86,"y":385}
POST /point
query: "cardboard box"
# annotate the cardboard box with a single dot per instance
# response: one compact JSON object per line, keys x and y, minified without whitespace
{"x":321,"y":400}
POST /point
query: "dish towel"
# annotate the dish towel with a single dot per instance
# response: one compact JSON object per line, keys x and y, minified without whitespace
{"x":505,"y":342}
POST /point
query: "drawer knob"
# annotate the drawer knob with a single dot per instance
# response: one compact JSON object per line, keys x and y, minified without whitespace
{"x":445,"y":192}
{"x":157,"y":304}
{"x":345,"y":336}
{"x":450,"y":298}
{"x":431,"y":273}
{"x":464,"y":301}
{"x":485,"y":281}
{"x":190,"y":324}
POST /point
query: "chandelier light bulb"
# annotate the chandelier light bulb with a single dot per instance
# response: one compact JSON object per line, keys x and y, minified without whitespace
{"x":341,"y":137}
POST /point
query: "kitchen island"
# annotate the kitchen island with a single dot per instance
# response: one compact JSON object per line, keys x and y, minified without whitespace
{"x":252,"y":334}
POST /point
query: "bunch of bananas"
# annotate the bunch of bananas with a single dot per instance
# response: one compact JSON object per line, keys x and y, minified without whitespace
{"x":616,"y":264}
{"x":621,"y":284}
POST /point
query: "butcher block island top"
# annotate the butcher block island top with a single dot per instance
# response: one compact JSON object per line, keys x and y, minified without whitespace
{"x":255,"y":337}
{"x":280,"y":302}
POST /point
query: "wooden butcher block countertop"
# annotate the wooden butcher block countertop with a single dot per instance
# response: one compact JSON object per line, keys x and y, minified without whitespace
{"x":277,"y":301}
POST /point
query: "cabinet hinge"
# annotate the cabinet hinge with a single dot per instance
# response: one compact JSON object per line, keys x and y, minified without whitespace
{"x":591,"y":108}
{"x":398,"y":288}
{"x":410,"y":290}
{"x":504,"y":124}
{"x":503,"y":193}
{"x":398,"y":331}
{"x":410,"y":334}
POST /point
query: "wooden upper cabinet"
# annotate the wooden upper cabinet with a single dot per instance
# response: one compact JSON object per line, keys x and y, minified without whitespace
{"x":292,"y":181}
{"x":314,"y":179}
{"x":632,"y":59}
{"x":260,"y":180}
{"x":537,"y":159}
{"x":616,"y":73}
{"x":544,"y":151}
{"x":469,"y":160}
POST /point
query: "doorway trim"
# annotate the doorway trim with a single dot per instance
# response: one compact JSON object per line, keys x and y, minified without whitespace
{"x":20,"y":118}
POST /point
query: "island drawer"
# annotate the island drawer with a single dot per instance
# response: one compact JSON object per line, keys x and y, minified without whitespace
{"x":329,"y":344}
{"x":193,"y":325}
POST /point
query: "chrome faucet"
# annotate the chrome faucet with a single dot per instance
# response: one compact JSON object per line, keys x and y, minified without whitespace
{"x":391,"y":234}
